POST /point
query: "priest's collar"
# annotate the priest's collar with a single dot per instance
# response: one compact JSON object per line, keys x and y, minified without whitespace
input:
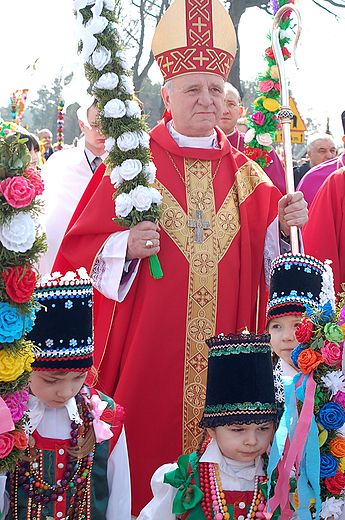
{"x":184,"y":141}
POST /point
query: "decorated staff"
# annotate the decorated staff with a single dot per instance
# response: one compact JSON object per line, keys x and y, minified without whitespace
{"x":285,"y":114}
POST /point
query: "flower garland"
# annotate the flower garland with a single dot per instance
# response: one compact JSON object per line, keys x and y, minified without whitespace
{"x":121,"y":120}
{"x":263,"y":123}
{"x":59,"y":126}
{"x":20,"y":246}
{"x":320,"y":353}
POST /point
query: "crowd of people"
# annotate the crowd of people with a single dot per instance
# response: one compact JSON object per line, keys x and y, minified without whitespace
{"x":184,"y":363}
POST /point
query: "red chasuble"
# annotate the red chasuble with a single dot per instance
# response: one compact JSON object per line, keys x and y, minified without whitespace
{"x":151,"y":347}
{"x":324,"y":233}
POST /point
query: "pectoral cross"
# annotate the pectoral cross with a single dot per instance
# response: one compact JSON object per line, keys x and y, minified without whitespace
{"x":199,"y":224}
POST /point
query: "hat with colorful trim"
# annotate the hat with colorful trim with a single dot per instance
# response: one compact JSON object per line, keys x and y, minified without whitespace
{"x":195,"y":37}
{"x":63,"y":330}
{"x":240,"y":385}
{"x":298,"y":281}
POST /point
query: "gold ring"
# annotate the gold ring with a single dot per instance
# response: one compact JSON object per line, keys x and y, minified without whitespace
{"x":149,"y":244}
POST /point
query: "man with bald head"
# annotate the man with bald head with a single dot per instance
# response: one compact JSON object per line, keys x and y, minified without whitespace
{"x":233,"y":110}
{"x":313,"y":179}
{"x":220,"y":217}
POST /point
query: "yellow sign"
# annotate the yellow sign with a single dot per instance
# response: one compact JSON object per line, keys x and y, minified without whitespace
{"x":297,"y":127}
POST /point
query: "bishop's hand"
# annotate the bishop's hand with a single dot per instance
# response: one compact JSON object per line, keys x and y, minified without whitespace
{"x":292,"y":211}
{"x":143,"y":240}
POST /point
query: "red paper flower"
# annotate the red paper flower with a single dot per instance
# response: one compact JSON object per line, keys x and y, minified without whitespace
{"x":269,"y":53}
{"x":304,"y":330}
{"x":335,"y":484}
{"x":18,"y":191}
{"x":34,"y":177}
{"x":6,"y":444}
{"x":20,"y":283}
{"x":286,"y":52}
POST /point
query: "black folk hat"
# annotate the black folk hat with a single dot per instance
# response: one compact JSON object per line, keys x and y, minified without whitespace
{"x":240,"y":385}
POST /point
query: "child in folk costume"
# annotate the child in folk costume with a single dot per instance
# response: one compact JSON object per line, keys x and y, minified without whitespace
{"x":297,"y":282}
{"x":76,"y":465}
{"x":223,"y":479}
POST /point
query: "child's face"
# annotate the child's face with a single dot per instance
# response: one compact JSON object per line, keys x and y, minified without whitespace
{"x":242,"y":442}
{"x":55,"y":388}
{"x":283,"y":339}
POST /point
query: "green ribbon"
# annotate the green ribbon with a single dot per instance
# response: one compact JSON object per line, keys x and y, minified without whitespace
{"x":155,"y":267}
{"x":188,"y":495}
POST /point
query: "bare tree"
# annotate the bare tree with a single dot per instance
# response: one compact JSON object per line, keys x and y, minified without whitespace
{"x":236,"y":8}
{"x":142,"y":17}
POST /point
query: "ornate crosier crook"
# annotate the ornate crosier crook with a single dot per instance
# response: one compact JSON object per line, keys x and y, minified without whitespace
{"x":285,"y":113}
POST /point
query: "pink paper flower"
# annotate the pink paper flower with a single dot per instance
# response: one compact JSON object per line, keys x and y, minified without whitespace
{"x":266,"y":86}
{"x":331,"y":353}
{"x":17,"y":404}
{"x":340,"y":398}
{"x":6,"y":444}
{"x":277,"y":86}
{"x":18,"y":191}
{"x":258,"y":118}
{"x":35,"y":178}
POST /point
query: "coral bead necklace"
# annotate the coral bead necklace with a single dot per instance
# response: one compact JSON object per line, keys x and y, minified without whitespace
{"x":213,"y":502}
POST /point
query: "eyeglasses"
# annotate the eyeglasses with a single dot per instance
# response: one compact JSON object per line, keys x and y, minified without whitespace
{"x":231,"y":104}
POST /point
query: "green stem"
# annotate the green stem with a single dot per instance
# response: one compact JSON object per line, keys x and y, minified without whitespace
{"x":155,"y":267}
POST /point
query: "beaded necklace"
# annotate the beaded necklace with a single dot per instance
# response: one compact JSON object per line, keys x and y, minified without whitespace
{"x":213,"y":502}
{"x":76,"y":477}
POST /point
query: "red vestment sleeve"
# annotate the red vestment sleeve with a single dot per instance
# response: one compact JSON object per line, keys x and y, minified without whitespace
{"x":323,"y":235}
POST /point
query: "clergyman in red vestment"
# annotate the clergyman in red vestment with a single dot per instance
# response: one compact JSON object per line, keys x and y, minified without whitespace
{"x":150,"y":345}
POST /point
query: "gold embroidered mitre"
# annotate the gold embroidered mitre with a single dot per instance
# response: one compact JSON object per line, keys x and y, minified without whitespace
{"x":195,"y":36}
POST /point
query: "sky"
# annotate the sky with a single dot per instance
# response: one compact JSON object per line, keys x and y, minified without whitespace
{"x":44,"y":29}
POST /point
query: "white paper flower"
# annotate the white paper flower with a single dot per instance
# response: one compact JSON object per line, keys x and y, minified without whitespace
{"x":127,"y":84}
{"x":334,"y":381}
{"x":123,"y":205}
{"x":109,"y":4}
{"x":107,"y":81}
{"x":132,"y":109}
{"x":70,"y":275}
{"x":249,"y":135}
{"x":331,"y":506}
{"x":114,"y":108}
{"x":156,"y":196}
{"x":150,"y":172}
{"x":130,"y":168}
{"x":19,"y":234}
{"x":115,"y":177}
{"x":123,"y":58}
{"x":128,"y":141}
{"x":141,"y":198}
{"x":96,"y":24}
{"x":109,"y":144}
{"x":283,"y":34}
{"x":144,"y":140}
{"x":56,"y":275}
{"x":101,"y":57}
{"x":82,"y":273}
{"x":264,"y":139}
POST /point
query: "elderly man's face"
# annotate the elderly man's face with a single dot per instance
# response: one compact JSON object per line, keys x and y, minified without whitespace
{"x":232,"y":112}
{"x":322,"y":150}
{"x":195,"y":102}
{"x":47,"y":139}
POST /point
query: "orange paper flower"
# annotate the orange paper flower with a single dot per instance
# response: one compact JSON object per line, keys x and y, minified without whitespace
{"x":338,"y":447}
{"x":308,"y":360}
{"x":20,"y":439}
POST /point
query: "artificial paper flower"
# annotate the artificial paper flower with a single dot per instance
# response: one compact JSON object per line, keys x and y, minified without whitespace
{"x":128,"y":141}
{"x":123,"y":205}
{"x":130,"y":168}
{"x":141,"y":198}
{"x":334,"y":381}
{"x":114,"y":108}
{"x":19,"y":233}
{"x":331,"y":507}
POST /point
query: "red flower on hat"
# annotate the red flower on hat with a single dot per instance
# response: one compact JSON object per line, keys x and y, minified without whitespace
{"x":20,"y":283}
{"x":304,"y":331}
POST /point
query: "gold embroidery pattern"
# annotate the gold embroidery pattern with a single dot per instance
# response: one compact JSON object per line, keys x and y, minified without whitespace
{"x":203,"y":273}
